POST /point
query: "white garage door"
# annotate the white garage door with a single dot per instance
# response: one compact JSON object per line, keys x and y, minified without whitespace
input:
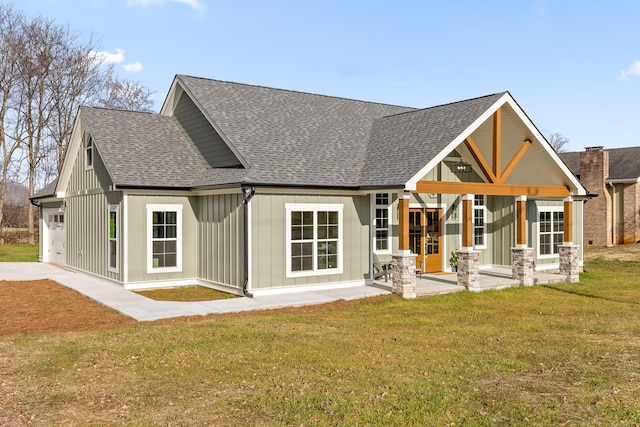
{"x":56,"y":237}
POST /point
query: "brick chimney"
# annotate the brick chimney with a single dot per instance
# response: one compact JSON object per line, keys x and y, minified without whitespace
{"x":594,"y":169}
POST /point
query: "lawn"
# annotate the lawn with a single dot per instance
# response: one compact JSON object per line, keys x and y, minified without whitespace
{"x":18,"y":253}
{"x":565,"y":354}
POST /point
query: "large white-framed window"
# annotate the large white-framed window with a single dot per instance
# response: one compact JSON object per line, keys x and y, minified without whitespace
{"x":114,"y":225}
{"x":550,"y":230}
{"x":479,"y":222}
{"x":164,"y":238}
{"x":313,"y":239}
{"x":88,"y":148}
{"x":382,"y":223}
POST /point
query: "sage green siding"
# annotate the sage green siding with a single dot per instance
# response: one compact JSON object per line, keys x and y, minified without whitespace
{"x":268,"y":268}
{"x":221,"y":246}
{"x":87,"y":200}
{"x":138,"y":235}
{"x":209,"y":144}
{"x":533,"y":218}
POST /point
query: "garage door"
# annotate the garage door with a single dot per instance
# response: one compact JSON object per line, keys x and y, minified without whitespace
{"x":56,"y":237}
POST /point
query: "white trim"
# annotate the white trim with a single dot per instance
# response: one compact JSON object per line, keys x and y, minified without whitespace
{"x":551,"y":209}
{"x":125,"y":239}
{"x":483,"y":208}
{"x":521,"y":198}
{"x":149,"y":226}
{"x":309,"y":288}
{"x":313,"y":207}
{"x":374,"y":209}
{"x":86,"y":137}
{"x":249,"y":246}
{"x":116,"y":209}
{"x":157,"y":284}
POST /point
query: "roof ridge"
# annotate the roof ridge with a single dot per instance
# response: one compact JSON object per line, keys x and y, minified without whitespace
{"x":98,"y":107}
{"x":297,"y":91}
{"x":446,"y":104}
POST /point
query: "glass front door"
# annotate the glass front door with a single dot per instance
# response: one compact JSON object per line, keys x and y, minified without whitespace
{"x":425,"y":239}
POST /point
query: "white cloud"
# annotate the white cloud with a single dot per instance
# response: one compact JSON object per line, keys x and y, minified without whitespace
{"x":133,"y":67}
{"x":194,"y":4}
{"x":632,"y":70}
{"x":108,"y":57}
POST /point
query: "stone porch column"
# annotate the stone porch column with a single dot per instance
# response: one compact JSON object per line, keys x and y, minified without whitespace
{"x":569,"y":265}
{"x":469,"y":270}
{"x":404,"y":280}
{"x":522,"y":265}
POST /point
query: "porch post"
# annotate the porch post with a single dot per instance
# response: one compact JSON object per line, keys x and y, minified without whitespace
{"x":404,"y":279}
{"x":521,"y":255}
{"x":569,"y":265}
{"x":468,"y":259}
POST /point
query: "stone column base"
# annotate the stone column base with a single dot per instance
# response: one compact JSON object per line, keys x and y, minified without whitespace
{"x":404,"y":278}
{"x":469,"y":270}
{"x":569,"y":265}
{"x":522,"y":265}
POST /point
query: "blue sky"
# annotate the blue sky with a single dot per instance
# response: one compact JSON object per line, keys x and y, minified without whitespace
{"x":573,"y":66}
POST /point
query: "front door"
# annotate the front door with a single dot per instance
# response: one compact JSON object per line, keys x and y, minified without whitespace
{"x":425,"y":239}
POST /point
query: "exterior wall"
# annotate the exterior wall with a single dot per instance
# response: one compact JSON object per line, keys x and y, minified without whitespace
{"x":138,"y":233}
{"x":87,"y":199}
{"x":631,"y":213}
{"x":208,"y":143}
{"x":594,"y":167}
{"x":221,"y":244}
{"x":501,"y":233}
{"x":268,"y":239}
{"x":532,"y":238}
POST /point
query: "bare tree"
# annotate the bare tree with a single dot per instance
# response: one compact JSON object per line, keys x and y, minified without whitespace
{"x":10,"y":22}
{"x":124,"y":94}
{"x":558,"y":141}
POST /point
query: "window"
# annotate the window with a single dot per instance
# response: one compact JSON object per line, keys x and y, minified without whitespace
{"x":314,"y":239}
{"x":382,"y":223}
{"x":113,"y":238}
{"x":550,"y":230}
{"x":89,"y":150}
{"x":164,"y":243}
{"x":479,"y":222}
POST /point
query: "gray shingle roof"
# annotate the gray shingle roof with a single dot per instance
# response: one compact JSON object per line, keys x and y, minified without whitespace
{"x":47,"y":191}
{"x":624,"y":163}
{"x":284,"y":137}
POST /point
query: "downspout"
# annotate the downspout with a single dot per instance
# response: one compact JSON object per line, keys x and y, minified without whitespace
{"x":248,"y":194}
{"x":614,"y":237}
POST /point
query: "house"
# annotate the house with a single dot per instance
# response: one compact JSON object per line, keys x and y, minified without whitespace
{"x":613,"y":175}
{"x":251,"y":189}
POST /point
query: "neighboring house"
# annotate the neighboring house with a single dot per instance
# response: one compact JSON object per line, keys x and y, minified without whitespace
{"x":613,"y":175}
{"x":253,"y":189}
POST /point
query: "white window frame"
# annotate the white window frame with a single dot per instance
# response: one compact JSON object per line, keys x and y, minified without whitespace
{"x":552,"y":210}
{"x":89,"y":159}
{"x":177,"y":208}
{"x":483,"y":209}
{"x":315,"y":208}
{"x":374,"y":222}
{"x":113,"y":209}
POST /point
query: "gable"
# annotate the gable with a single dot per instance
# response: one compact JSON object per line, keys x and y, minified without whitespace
{"x":208,"y":143}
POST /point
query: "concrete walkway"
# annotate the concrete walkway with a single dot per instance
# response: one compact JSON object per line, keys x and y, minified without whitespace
{"x":141,"y":308}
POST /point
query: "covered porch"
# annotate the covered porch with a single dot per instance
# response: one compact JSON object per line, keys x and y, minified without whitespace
{"x":495,"y":278}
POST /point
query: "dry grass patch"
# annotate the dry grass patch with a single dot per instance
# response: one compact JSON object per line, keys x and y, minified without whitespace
{"x":186,"y":293}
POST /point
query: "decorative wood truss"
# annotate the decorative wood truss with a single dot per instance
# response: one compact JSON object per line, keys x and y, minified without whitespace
{"x":495,"y":185}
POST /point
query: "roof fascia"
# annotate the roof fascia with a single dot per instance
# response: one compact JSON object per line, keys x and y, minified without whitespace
{"x":71,"y":157}
{"x":185,"y":89}
{"x":170,"y":100}
{"x":623,"y":181}
{"x":504,"y":99}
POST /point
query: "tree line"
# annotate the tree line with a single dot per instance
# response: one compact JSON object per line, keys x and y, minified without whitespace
{"x":46,"y":72}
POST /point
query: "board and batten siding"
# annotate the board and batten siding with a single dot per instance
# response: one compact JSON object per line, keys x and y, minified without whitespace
{"x":87,"y":217}
{"x":208,"y":143}
{"x":268,"y":221}
{"x":221,"y":245}
{"x":138,"y":230}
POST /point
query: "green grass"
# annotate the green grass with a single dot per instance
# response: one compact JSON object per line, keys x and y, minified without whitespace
{"x":566,"y":354}
{"x":18,"y":253}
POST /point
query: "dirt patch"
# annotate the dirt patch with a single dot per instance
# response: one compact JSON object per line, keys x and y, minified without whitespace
{"x":630,"y":252}
{"x":43,"y":306}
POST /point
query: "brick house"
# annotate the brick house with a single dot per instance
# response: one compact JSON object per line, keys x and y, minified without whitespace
{"x":613,"y":175}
